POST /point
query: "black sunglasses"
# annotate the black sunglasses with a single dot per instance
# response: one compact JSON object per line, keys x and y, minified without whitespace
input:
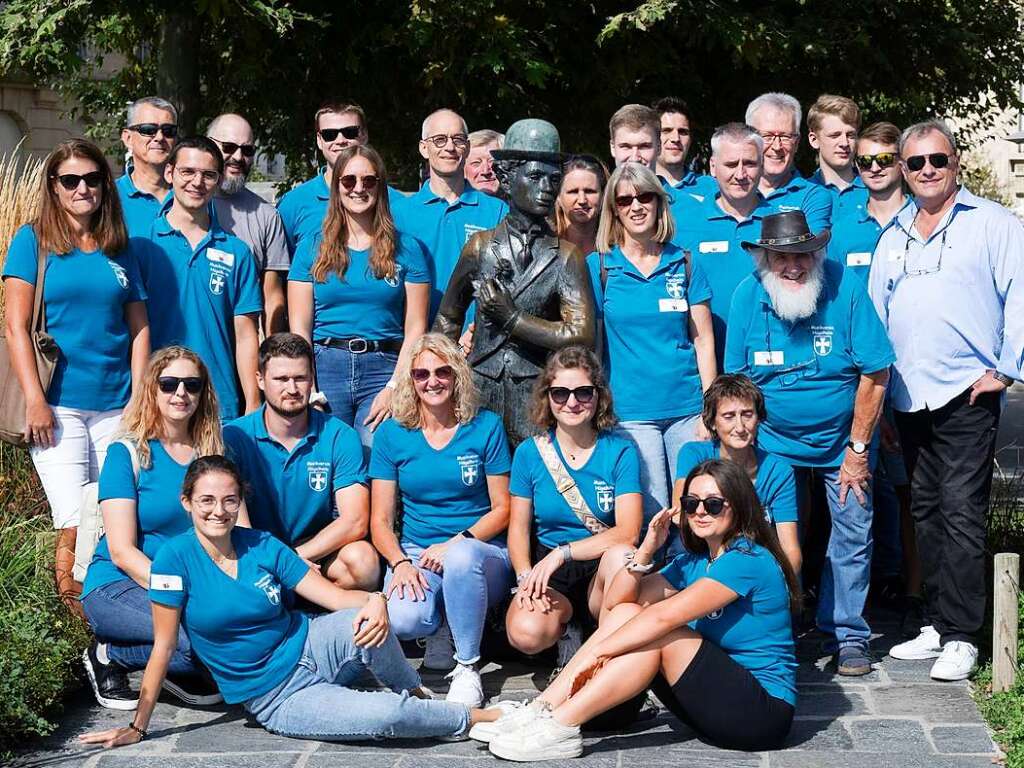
{"x":169,"y":384}
{"x":884,"y":160}
{"x":348,"y":182}
{"x":169,"y":130}
{"x":644,"y":198}
{"x":70,"y":181}
{"x":229,"y":148}
{"x":713,"y":505}
{"x":349,"y":132}
{"x":583,"y":395}
{"x":937,"y":160}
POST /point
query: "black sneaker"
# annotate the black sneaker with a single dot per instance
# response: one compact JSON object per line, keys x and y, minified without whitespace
{"x":109,"y":680}
{"x":195,"y":690}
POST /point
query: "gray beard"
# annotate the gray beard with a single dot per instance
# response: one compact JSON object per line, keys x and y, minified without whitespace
{"x":232,"y":185}
{"x":791,"y":305}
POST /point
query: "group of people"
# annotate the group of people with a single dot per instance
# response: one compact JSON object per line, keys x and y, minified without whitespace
{"x":772,"y":351}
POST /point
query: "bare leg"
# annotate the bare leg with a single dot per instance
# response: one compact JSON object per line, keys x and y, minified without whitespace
{"x":532,"y":631}
{"x":612,"y":562}
{"x":354,"y":566}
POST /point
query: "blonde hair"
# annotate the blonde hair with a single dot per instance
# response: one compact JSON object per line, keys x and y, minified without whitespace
{"x":610,"y":231}
{"x":837,"y":106}
{"x":142,"y":422}
{"x":405,"y":405}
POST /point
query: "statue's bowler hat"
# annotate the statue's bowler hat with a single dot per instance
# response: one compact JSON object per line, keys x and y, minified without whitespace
{"x":531,"y":139}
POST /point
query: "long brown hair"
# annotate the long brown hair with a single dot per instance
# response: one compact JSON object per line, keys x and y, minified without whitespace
{"x":587,"y":163}
{"x":748,"y":518}
{"x":141,"y":420}
{"x":581,"y":358}
{"x":333,"y":254}
{"x":53,"y":227}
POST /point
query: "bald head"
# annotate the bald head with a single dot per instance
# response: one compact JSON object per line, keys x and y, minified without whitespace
{"x":230,"y":127}
{"x":442,"y":116}
{"x":233,"y":134}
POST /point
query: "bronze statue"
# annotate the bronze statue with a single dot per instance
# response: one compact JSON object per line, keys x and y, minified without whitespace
{"x":532,"y":290}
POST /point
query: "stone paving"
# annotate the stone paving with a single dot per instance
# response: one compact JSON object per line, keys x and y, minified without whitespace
{"x":896,"y":717}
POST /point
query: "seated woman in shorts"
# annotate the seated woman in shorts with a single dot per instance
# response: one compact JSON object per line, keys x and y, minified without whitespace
{"x":711,"y":630}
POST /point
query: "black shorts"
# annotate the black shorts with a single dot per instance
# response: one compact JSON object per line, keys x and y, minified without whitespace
{"x":724,"y":703}
{"x":572,"y":580}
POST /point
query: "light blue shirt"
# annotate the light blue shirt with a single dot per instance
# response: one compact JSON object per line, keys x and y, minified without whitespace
{"x":952,"y":304}
{"x":139,"y":208}
{"x":855,"y":234}
{"x":800,"y":194}
{"x":851,"y":196}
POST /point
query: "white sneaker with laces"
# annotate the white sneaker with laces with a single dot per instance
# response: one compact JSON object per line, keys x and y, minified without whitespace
{"x":439,"y":650}
{"x":544,"y":739}
{"x":515,"y":714}
{"x":927,"y":645}
{"x":958,"y":660}
{"x":465,"y":687}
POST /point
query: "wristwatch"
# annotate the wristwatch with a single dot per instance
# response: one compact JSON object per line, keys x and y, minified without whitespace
{"x":857,"y":447}
{"x":467,"y":534}
{"x":634,"y":567}
{"x":1002,"y":378}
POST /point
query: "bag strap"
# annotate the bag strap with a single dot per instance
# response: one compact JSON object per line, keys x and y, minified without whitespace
{"x":38,"y":306}
{"x":604,"y":270}
{"x":566,"y":486}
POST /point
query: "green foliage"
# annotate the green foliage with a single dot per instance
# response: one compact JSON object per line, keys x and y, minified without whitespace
{"x":1004,"y":712}
{"x":979,"y":177}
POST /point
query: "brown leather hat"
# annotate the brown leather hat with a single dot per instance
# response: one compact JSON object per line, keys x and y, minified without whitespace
{"x":787,"y":232}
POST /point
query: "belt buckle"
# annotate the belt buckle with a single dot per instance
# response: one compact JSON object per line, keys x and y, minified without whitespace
{"x":358,"y":346}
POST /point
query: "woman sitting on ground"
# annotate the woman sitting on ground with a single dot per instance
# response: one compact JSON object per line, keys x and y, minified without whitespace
{"x":711,"y":629}
{"x":291,"y":672}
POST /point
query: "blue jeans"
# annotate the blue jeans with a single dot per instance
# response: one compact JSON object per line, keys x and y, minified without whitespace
{"x":477,"y":575}
{"x":658,"y":442}
{"x":315,"y":702}
{"x":846,"y":573}
{"x":351,"y":380}
{"x":121,"y":616}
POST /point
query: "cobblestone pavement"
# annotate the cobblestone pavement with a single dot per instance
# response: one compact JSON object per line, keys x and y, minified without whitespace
{"x":896,"y":717}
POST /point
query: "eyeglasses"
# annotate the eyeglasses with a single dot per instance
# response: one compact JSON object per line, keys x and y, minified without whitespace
{"x":169,"y":130}
{"x":937,"y":160}
{"x":169,"y":384}
{"x":929,"y":270}
{"x":785,"y":139}
{"x":884,"y":160}
{"x":348,"y":182}
{"x":349,"y":132}
{"x":70,"y":181}
{"x":207,"y":504}
{"x":644,"y":198}
{"x":460,"y":140}
{"x":713,"y":505}
{"x":583,"y":395}
{"x":187,"y":174}
{"x":229,"y":148}
{"x":441,"y":373}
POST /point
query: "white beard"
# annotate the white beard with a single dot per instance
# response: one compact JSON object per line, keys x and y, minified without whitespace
{"x":231,"y":185}
{"x":793,"y":305}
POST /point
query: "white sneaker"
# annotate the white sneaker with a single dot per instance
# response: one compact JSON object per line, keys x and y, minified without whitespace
{"x":927,"y":645}
{"x":439,"y":650}
{"x":465,"y":687}
{"x":515,"y":714}
{"x":958,"y":660}
{"x":569,"y":643}
{"x":545,"y":739}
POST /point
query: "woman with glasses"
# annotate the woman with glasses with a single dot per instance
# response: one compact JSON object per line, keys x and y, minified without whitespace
{"x":711,"y":630}
{"x":171,"y":419}
{"x":659,"y":344}
{"x":448,"y":463}
{"x":555,"y":542}
{"x":578,"y":205}
{"x":94,"y":303}
{"x":359,"y":292}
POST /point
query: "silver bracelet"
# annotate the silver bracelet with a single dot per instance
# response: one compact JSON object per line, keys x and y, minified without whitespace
{"x":566,"y":550}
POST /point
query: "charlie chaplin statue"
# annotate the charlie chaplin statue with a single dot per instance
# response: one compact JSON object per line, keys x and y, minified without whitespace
{"x":532,"y":290}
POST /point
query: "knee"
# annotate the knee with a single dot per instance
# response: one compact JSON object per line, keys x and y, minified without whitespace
{"x":619,"y":614}
{"x":413,"y":619}
{"x":614,"y":559}
{"x":463,"y":557}
{"x":532,"y":632}
{"x":355,"y":567}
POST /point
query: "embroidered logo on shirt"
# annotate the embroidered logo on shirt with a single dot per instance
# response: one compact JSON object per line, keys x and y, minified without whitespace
{"x":270,"y":588}
{"x":165,"y":583}
{"x":469,"y":464}
{"x":605,"y":496}
{"x":675,"y":286}
{"x":393,"y":281}
{"x":119,"y":273}
{"x":714,"y":615}
{"x":821,"y":338}
{"x":217,"y":283}
{"x":316,"y":474}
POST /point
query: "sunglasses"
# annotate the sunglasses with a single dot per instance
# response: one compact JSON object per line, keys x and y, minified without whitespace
{"x":169,"y":130}
{"x":229,"y":148}
{"x":349,"y":132}
{"x":583,"y":395}
{"x":348,"y":182}
{"x":70,"y":181}
{"x":644,"y":198}
{"x":441,"y":373}
{"x":441,"y":139}
{"x":713,"y":505}
{"x":884,"y":160}
{"x":937,"y":160}
{"x":169,"y":384}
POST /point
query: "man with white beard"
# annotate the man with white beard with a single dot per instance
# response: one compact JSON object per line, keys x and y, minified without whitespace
{"x":805,"y":331}
{"x":247,"y":216}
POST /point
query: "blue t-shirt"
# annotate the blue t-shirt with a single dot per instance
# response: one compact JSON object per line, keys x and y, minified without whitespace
{"x":809,"y":371}
{"x":612,"y":470}
{"x":361,"y":304}
{"x":159,"y":515}
{"x":291,"y":495}
{"x":802,"y":194}
{"x":844,"y":200}
{"x":84,"y":295}
{"x":443,"y":491}
{"x":195,"y":295}
{"x":855,"y":233}
{"x":240,"y":628}
{"x":693,"y":184}
{"x":775,"y":484}
{"x":651,"y":362}
{"x":140,"y":209}
{"x":754,"y":629}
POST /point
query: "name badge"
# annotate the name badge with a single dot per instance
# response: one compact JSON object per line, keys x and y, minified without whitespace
{"x":858,"y":259}
{"x":773,"y":357}
{"x":672,"y":305}
{"x":169,"y":583}
{"x":221,"y":257}
{"x":895,"y":254}
{"x":714,"y":246}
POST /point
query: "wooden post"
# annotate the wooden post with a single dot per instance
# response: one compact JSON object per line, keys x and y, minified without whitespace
{"x":1004,"y":621}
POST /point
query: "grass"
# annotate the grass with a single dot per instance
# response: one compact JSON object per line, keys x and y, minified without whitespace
{"x":20,"y":196}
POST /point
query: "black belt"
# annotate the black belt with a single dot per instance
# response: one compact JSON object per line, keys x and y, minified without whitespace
{"x":359,"y":345}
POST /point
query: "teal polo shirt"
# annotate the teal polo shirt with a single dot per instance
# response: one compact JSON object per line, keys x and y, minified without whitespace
{"x":848,"y":198}
{"x":801,"y":194}
{"x":291,"y":493}
{"x":445,"y":228}
{"x":195,"y":295}
{"x":649,"y":356}
{"x":809,"y":371}
{"x":140,"y":209}
{"x":697,"y":185}
{"x":713,"y":237}
{"x":855,"y":233}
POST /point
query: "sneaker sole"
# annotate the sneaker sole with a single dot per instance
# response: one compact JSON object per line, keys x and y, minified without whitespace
{"x":511,"y":752}
{"x":951,"y":678}
{"x":854,"y":671}
{"x":918,"y":656}
{"x":119,"y":704}
{"x":192,"y":699}
{"x":481,"y":733}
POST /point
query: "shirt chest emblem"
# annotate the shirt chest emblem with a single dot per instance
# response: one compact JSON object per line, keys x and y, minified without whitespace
{"x":270,"y":588}
{"x":469,"y":468}
{"x":605,"y":496}
{"x":220,"y":257}
{"x":119,"y":274}
{"x":217,"y":283}
{"x":675,"y":286}
{"x":396,"y":278}
{"x":316,"y":475}
{"x":821,"y":340}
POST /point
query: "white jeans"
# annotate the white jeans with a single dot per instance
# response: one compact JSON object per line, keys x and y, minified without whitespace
{"x":64,"y":470}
